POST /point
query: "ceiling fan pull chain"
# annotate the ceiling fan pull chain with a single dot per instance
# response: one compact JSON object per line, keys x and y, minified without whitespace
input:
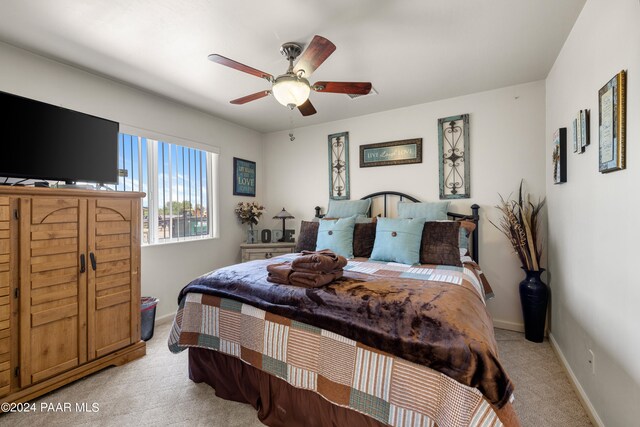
{"x":291,"y":137}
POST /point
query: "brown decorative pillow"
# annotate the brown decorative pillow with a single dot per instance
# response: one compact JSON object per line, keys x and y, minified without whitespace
{"x":364,"y":235}
{"x":307,"y":236}
{"x":440,"y":243}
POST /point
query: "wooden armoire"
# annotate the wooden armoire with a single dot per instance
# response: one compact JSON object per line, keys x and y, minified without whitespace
{"x":69,"y":286}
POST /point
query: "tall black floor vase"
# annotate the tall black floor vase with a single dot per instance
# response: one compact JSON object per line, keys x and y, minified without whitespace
{"x":534,"y":296}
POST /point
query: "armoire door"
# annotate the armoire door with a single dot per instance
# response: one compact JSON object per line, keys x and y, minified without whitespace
{"x":52,"y":286}
{"x":7,"y":277}
{"x":113,"y":281}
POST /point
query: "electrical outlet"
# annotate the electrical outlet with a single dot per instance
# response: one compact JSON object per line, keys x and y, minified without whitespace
{"x":592,"y":361}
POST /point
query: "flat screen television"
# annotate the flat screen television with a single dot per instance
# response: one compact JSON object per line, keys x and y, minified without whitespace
{"x":43,"y":141}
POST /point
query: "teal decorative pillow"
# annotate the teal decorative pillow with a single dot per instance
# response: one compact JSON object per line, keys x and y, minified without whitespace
{"x":363,"y":219}
{"x":347,"y":208}
{"x":337,"y":236}
{"x":398,"y":240}
{"x":429,"y":211}
{"x":466,"y":228}
{"x":463,"y":239}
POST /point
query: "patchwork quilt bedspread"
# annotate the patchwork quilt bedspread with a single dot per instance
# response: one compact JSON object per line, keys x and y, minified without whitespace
{"x":399,"y":343}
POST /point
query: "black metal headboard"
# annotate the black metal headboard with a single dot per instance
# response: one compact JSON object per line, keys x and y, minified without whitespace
{"x":474,"y":217}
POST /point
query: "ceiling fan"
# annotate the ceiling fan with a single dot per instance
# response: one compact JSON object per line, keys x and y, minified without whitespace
{"x":292,"y":88}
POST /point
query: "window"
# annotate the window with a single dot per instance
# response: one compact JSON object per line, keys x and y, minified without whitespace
{"x":178,"y":182}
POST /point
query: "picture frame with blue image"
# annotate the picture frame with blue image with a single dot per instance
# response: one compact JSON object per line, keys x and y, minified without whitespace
{"x":244,"y":177}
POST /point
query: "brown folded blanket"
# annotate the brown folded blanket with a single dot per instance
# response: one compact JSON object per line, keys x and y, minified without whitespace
{"x":279,"y":273}
{"x":324,"y":261}
{"x":313,"y":280}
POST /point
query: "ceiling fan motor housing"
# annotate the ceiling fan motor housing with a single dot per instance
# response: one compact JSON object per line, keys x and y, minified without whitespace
{"x":291,"y":50}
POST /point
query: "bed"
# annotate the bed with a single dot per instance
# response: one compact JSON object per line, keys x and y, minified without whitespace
{"x":387,"y":344}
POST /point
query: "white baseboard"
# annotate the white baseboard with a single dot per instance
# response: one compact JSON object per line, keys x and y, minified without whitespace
{"x":510,"y":326}
{"x":165,"y":319}
{"x":582,"y":396}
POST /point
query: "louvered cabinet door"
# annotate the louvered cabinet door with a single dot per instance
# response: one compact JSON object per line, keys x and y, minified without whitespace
{"x":8,"y":275}
{"x":52,"y":286}
{"x":113,"y":286}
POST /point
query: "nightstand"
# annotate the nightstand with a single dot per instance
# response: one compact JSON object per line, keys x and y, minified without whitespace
{"x":253,"y":251}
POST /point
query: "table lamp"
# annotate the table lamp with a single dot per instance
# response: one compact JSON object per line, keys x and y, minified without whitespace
{"x":283,"y":215}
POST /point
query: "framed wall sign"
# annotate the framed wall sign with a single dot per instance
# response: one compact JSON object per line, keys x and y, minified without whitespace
{"x":339,"y":166}
{"x":612,"y":123}
{"x":559,"y":156}
{"x":578,"y":146}
{"x":575,"y":136}
{"x":453,"y":149}
{"x":244,"y":177}
{"x":391,"y":153}
{"x":581,"y":132}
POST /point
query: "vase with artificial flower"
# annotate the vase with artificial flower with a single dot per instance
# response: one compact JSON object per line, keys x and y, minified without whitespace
{"x":249,"y":213}
{"x":520,"y":223}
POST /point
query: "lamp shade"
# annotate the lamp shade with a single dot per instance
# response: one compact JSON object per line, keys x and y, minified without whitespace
{"x":291,"y":90}
{"x":283,"y":214}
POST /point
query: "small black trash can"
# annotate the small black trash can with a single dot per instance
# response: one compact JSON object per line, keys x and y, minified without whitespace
{"x":147,"y":317}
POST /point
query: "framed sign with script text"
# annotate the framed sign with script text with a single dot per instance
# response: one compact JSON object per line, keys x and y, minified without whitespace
{"x":391,"y":153}
{"x":244,"y":177}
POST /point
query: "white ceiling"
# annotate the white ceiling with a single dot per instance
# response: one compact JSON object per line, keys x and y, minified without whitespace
{"x":413,"y":51}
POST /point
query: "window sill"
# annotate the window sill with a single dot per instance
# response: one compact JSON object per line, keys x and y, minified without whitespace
{"x":177,"y":242}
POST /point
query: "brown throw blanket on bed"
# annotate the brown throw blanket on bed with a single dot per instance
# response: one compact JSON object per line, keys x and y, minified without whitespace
{"x":310,"y":270}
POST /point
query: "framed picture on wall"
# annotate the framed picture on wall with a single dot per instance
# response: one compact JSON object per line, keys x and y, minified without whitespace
{"x":244,"y":177}
{"x":578,"y":147}
{"x":575,"y":135}
{"x":584,"y":122}
{"x":559,"y":156}
{"x":613,"y":123}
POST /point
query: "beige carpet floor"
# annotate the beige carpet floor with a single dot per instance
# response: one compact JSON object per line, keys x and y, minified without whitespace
{"x":156,"y":391}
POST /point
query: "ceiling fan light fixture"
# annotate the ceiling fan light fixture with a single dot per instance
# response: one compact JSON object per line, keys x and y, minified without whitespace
{"x":291,"y":90}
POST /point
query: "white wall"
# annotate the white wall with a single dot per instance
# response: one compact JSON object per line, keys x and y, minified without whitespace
{"x":507,"y":144}
{"x":592,"y":236}
{"x":166,"y":268}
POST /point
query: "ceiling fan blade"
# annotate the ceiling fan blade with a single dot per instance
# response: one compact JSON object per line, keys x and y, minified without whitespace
{"x":238,"y":66}
{"x":355,"y":88}
{"x":251,"y":97}
{"x":307,"y":109}
{"x":316,"y":53}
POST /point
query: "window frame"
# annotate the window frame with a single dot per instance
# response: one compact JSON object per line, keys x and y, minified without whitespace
{"x":153,"y":196}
